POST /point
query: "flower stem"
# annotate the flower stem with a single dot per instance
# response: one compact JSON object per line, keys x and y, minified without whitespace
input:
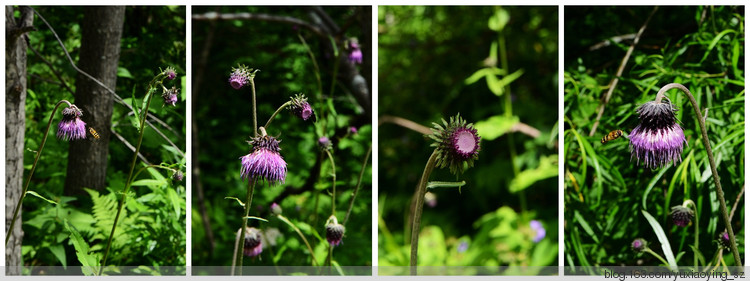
{"x":333,"y":195}
{"x":33,"y":168}
{"x":719,"y":191}
{"x":421,"y":190}
{"x":255,"y":112}
{"x":647,"y":250}
{"x":312,"y":254}
{"x":248,"y":202}
{"x":359,"y":182}
{"x":277,"y":112}
{"x":152,"y":90}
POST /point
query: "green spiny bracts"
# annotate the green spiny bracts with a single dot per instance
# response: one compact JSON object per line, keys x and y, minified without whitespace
{"x":456,"y":143}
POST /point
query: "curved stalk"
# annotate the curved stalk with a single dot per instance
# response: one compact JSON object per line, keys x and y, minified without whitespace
{"x":255,"y":112}
{"x":333,"y":195}
{"x":152,"y":92}
{"x":719,"y":191}
{"x":33,"y":168}
{"x":312,"y":254}
{"x":421,"y":190}
{"x":359,"y":182}
{"x":277,"y":112}
{"x":248,"y":202}
{"x":647,"y":250}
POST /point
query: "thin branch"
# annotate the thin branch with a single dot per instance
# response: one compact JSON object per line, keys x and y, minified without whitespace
{"x":526,"y":130}
{"x":214,"y":16}
{"x":734,"y":206}
{"x":613,"y":84}
{"x":130,"y":146}
{"x":404,"y":123}
{"x":49,"y":64}
{"x":613,"y":39}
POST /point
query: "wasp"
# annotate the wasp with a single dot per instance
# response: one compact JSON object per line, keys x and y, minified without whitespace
{"x":93,"y":133}
{"x":613,"y":135}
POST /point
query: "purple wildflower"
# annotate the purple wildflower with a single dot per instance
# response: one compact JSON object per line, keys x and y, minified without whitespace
{"x":456,"y":143}
{"x":334,"y":233}
{"x":355,"y":54}
{"x":170,"y":96}
{"x":681,"y":215}
{"x":324,"y":143}
{"x":639,"y":245}
{"x":724,"y":240}
{"x":353,"y":130}
{"x":178,"y":176}
{"x":241,"y":76}
{"x":538,"y":229}
{"x":302,"y":109}
{"x":276,"y":209}
{"x":71,"y":127}
{"x":264,"y":162}
{"x":462,"y":247}
{"x":658,"y":139}
{"x":170,"y":72}
{"x":253,"y":242}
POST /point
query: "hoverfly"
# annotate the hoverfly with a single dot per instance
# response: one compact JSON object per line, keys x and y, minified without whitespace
{"x":612,"y":136}
{"x":94,"y":133}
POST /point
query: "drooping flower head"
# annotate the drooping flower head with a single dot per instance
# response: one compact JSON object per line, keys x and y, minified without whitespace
{"x":302,"y":109}
{"x":639,"y":245}
{"x":324,"y":143}
{"x":724,"y":240}
{"x":71,"y":127}
{"x":170,"y":95}
{"x":170,"y":72}
{"x":241,"y":76}
{"x":334,"y":231}
{"x":264,"y":162}
{"x":658,"y":139}
{"x":538,"y":228}
{"x":456,"y":143}
{"x":253,"y":245}
{"x":355,"y":54}
{"x":681,"y":215}
{"x":178,"y":175}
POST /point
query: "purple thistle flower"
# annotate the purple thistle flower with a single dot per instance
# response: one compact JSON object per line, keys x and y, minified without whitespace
{"x":302,"y":109}
{"x":355,"y":54}
{"x":276,"y":209}
{"x":334,"y":233}
{"x":171,"y":74}
{"x":264,"y":162}
{"x":324,"y":143}
{"x":681,"y":215}
{"x":724,"y":240}
{"x":241,"y":76}
{"x":353,"y":130}
{"x":71,"y":127}
{"x":538,"y":229}
{"x":178,"y":176}
{"x":639,"y":245}
{"x":253,"y":242}
{"x":170,"y":96}
{"x":658,"y":139}
{"x":456,"y":143}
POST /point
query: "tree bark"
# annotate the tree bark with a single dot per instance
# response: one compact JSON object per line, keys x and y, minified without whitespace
{"x":15,"y":124}
{"x":100,"y":51}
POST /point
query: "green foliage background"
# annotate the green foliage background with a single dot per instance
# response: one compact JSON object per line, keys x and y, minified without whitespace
{"x":605,"y":192}
{"x":223,"y":117}
{"x":151,"y":231}
{"x":433,"y":63}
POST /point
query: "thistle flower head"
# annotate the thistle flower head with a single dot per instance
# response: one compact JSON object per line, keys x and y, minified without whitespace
{"x":538,"y":228}
{"x":170,"y":72}
{"x":355,"y":54}
{"x":639,"y":245}
{"x":178,"y":175}
{"x":334,"y":231}
{"x":456,"y":143}
{"x":253,"y":245}
{"x":325,"y":143}
{"x":264,"y":162}
{"x":681,"y":215}
{"x":724,"y":240}
{"x":353,"y":130}
{"x":276,"y":209}
{"x":302,"y":109}
{"x":170,"y":95}
{"x":658,"y":139}
{"x":71,"y":127}
{"x":241,"y":76}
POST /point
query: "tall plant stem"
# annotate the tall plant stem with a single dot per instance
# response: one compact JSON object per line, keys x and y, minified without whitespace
{"x":277,"y":112}
{"x":647,"y":250}
{"x":509,"y":113}
{"x":152,"y":92}
{"x":719,"y":190}
{"x":248,"y":203}
{"x":359,"y":182}
{"x":333,"y":174}
{"x":255,"y":112}
{"x":421,"y":190}
{"x":312,"y":254}
{"x":33,"y":168}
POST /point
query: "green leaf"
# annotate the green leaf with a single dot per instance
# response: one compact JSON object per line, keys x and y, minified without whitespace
{"x":435,"y":184}
{"x":256,"y":218}
{"x":526,"y":178}
{"x":42,"y":197}
{"x":136,"y":120}
{"x":238,"y":201}
{"x":495,"y":126}
{"x":124,"y":73}
{"x":482,"y":73}
{"x":665,"y":247}
{"x":497,"y":86}
{"x":59,"y":251}
{"x":175,"y":200}
{"x":89,"y":262}
{"x":148,"y":182}
{"x":498,"y":21}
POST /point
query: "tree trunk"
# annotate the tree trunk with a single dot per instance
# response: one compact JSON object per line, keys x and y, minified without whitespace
{"x":100,"y":51}
{"x":15,"y":124}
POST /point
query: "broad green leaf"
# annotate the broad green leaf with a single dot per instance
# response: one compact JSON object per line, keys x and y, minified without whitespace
{"x":666,"y":248}
{"x":479,"y":74}
{"x":526,"y":178}
{"x":42,"y":197}
{"x":497,"y":86}
{"x":175,"y":200}
{"x":59,"y":251}
{"x":89,"y":262}
{"x":495,"y":126}
{"x":148,"y":182}
{"x":124,"y":73}
{"x":498,"y":21}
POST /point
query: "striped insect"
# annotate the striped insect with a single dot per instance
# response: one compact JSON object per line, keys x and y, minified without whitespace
{"x":93,"y":133}
{"x":612,"y":136}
